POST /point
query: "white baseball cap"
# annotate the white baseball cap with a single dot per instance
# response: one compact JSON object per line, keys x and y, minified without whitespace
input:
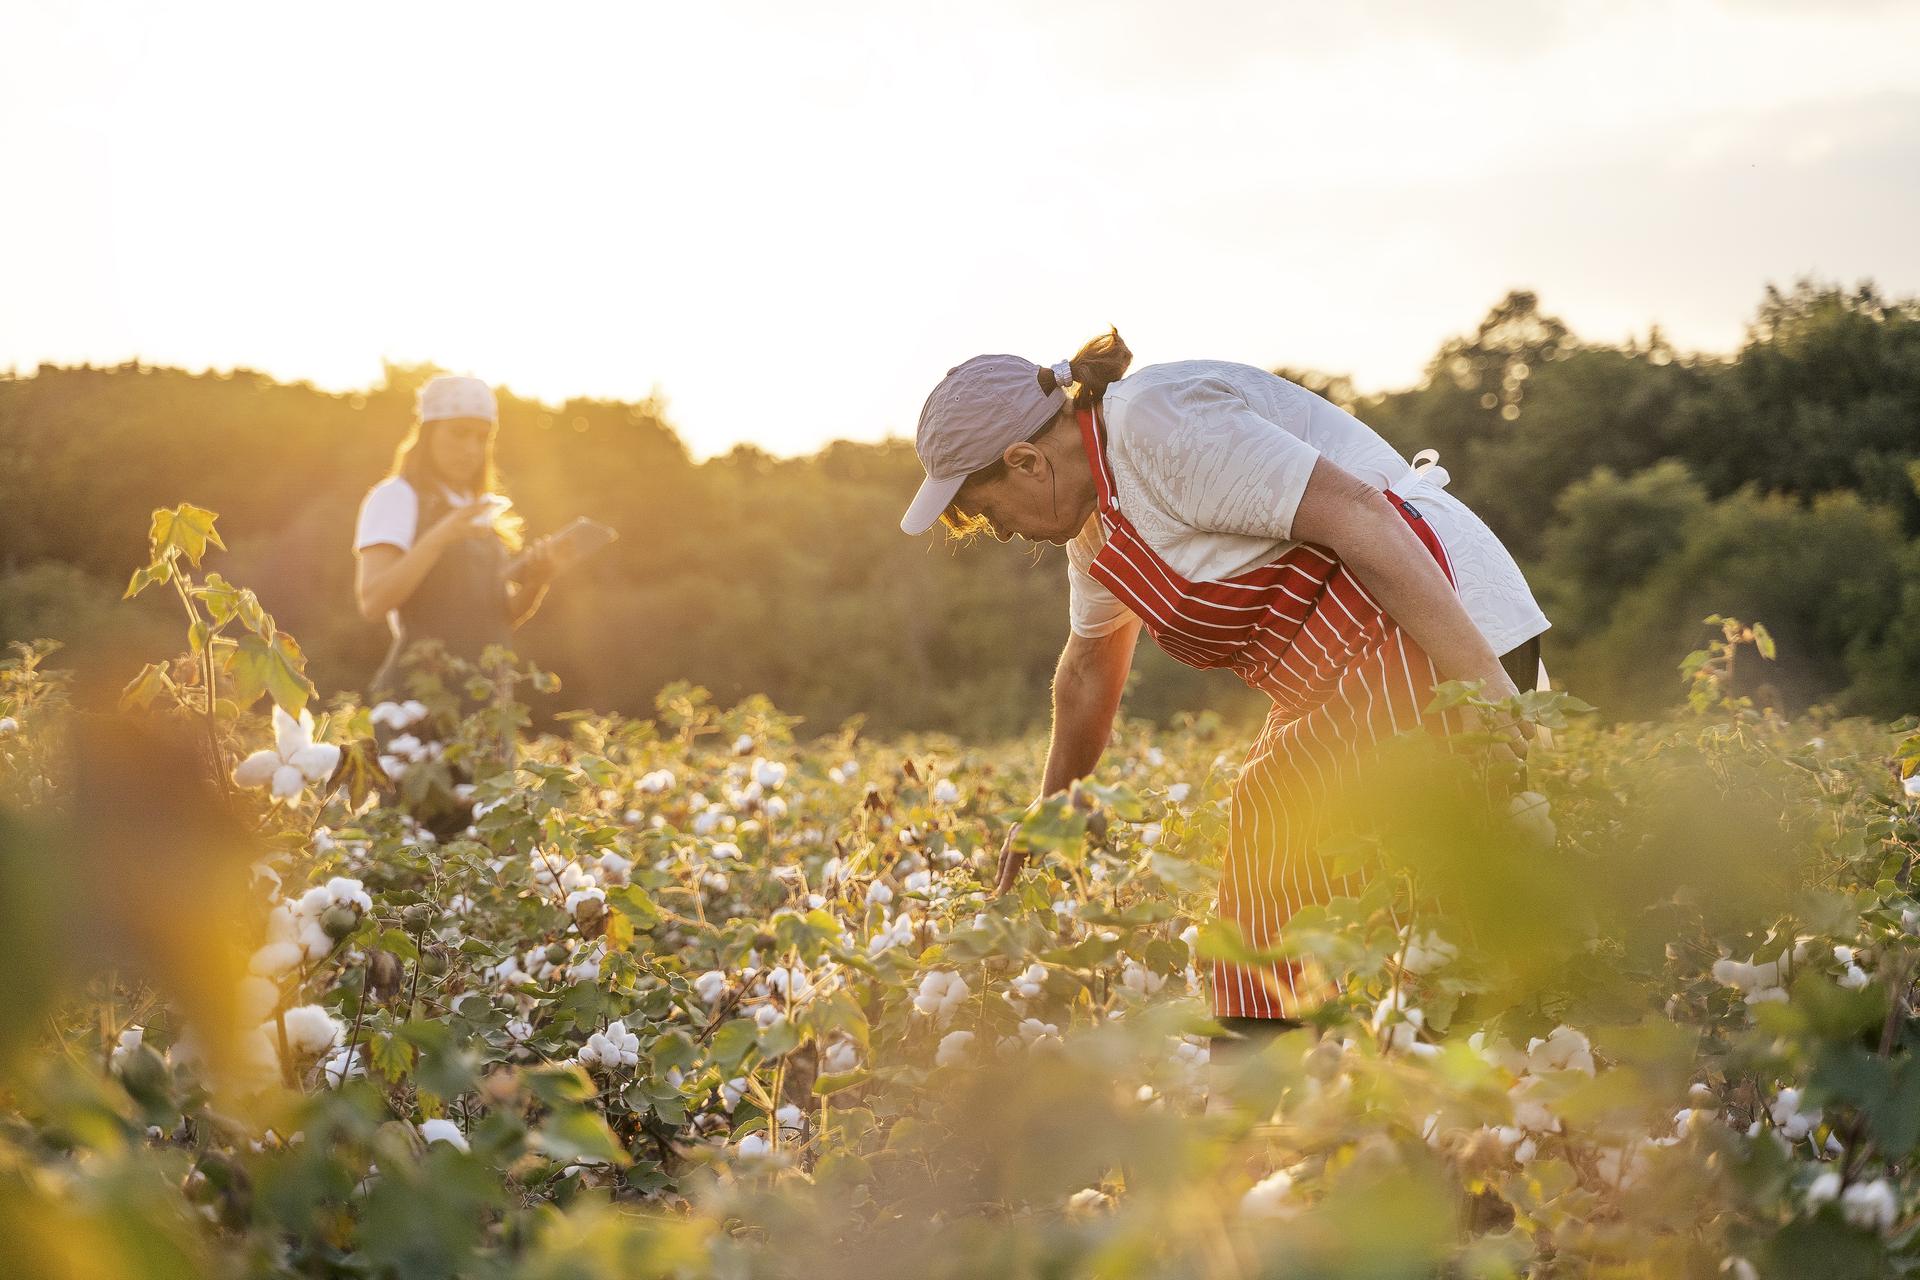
{"x":978,"y":410}
{"x":457,"y":396}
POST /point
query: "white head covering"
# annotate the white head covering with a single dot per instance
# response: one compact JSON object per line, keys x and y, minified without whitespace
{"x":457,"y":396}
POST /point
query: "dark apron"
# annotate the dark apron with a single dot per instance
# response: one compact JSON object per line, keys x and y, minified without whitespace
{"x":462,"y":603}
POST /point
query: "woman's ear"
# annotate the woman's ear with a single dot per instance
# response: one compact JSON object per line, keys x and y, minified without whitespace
{"x":1025,"y":458}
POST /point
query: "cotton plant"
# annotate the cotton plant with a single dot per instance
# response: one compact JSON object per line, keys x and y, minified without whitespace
{"x":293,"y":762}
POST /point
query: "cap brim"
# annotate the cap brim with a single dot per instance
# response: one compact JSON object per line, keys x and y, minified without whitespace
{"x":935,"y":496}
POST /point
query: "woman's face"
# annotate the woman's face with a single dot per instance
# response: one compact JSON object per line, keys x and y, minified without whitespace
{"x":1040,"y":495}
{"x":458,"y":448}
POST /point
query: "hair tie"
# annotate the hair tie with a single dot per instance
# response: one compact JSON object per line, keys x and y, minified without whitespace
{"x":1062,"y":374}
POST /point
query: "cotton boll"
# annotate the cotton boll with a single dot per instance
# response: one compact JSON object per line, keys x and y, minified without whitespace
{"x":879,"y":894}
{"x":791,"y":1119}
{"x":1564,"y":1049}
{"x":940,"y":996}
{"x":257,"y":998}
{"x":257,"y":770}
{"x":342,"y":1066}
{"x":444,"y":1131}
{"x":1823,"y":1189}
{"x":1178,"y":792}
{"x":770,"y":774}
{"x":1872,"y":1205}
{"x":288,"y":782}
{"x":840,"y":1057}
{"x":1271,"y":1197}
{"x":1029,"y":983}
{"x":710,"y":986}
{"x":732,"y":1091}
{"x":129,"y":1041}
{"x":752,"y":1147}
{"x":276,"y":959}
{"x":743,"y":744}
{"x":1150,"y":834}
{"x":944,"y":792}
{"x":316,"y":762}
{"x":768,"y":1017}
{"x":790,"y":982}
{"x":1531,"y":815}
{"x":1088,"y":1202}
{"x":1792,"y":1120}
{"x":311,"y":1030}
{"x":954,"y":1048}
{"x":1426,"y":953}
{"x":1139,"y":979}
{"x":1855,"y":978}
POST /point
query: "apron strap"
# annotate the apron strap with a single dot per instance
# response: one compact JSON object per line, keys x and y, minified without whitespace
{"x":1093,"y":437}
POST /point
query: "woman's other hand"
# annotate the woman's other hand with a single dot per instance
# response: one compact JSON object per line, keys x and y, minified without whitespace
{"x":539,"y":564}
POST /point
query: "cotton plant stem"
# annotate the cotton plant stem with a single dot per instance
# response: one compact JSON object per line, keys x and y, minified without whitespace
{"x":212,"y":720}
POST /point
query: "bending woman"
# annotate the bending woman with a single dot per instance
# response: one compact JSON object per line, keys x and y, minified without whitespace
{"x":433,"y":538}
{"x":1246,"y":523}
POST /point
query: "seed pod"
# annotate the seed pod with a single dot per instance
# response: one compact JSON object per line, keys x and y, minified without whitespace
{"x":339,"y":920}
{"x":383,"y":975}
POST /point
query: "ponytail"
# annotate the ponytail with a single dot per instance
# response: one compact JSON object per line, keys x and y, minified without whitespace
{"x":1094,"y":368}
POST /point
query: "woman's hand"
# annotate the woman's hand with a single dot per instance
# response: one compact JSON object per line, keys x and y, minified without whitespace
{"x":462,"y":524}
{"x":1012,"y":858}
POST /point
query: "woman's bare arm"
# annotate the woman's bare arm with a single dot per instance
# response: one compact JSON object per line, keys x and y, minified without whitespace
{"x":1087,"y":683}
{"x":1354,"y":520}
{"x":386,"y":576}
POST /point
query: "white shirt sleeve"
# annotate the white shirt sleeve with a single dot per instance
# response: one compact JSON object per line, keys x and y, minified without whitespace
{"x":389,"y":515}
{"x":1092,"y":610}
{"x":1211,"y":460}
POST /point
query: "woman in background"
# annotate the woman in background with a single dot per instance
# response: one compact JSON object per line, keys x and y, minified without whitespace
{"x":434,"y":538}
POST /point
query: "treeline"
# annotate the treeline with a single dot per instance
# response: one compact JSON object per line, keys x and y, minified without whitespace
{"x":1641,"y":487}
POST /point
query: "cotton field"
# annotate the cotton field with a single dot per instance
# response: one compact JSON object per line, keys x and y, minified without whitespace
{"x":305,"y":987}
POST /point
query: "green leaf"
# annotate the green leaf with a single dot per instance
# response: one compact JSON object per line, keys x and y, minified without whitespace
{"x":635,"y":903}
{"x":1188,"y":877}
{"x":831,"y":1084}
{"x":144,"y":578}
{"x":187,"y":528}
{"x":560,"y":1086}
{"x":731,"y":1042}
{"x":400,"y":944}
{"x":145,"y":687}
{"x":275,"y":667}
{"x":392,"y":1057}
{"x":578,"y":1134}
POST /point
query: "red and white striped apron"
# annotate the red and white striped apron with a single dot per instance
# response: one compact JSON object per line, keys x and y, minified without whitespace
{"x":1342,"y":676}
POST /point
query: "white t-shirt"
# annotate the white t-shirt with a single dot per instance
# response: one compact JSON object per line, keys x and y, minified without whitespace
{"x":390,"y":514}
{"x":1209,"y":461}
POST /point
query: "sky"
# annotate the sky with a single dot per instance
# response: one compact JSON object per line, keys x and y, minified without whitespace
{"x":789,"y":220}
